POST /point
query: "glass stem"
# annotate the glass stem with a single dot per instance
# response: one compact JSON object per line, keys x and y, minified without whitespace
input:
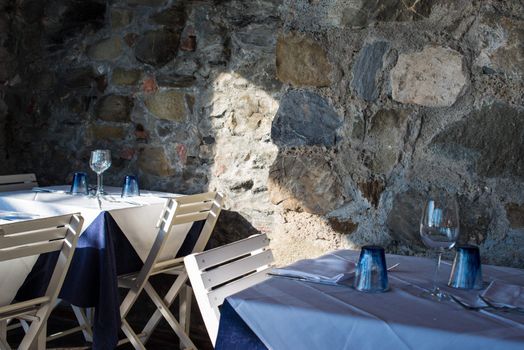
{"x":99,"y":186}
{"x":436,"y":289}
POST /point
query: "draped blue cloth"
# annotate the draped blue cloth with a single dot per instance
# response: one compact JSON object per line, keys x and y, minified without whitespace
{"x":234,"y":333}
{"x":103,"y":252}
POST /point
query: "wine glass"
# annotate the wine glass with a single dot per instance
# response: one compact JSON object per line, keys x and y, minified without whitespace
{"x":439,"y":230}
{"x":100,"y":161}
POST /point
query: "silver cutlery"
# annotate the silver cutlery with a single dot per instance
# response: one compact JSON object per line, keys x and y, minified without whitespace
{"x":47,"y":190}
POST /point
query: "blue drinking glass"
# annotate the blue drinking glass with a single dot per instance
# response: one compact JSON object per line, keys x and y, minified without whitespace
{"x":79,"y":185}
{"x":371,"y":273}
{"x":130,"y":188}
{"x":466,"y":272}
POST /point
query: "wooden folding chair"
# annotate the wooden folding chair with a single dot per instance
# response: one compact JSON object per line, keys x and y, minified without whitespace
{"x":29,"y":238}
{"x":179,"y":210}
{"x":17,"y":182}
{"x":218,"y":273}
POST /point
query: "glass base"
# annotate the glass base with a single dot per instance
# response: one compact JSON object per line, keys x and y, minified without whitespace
{"x":436,"y":294}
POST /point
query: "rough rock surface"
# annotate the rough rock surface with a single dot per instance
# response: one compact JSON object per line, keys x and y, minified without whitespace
{"x":157,"y":47}
{"x":324,"y":122}
{"x":107,"y":49}
{"x":368,"y":64}
{"x":169,"y":105}
{"x":114,"y":108}
{"x":433,"y":77}
{"x":306,"y":182}
{"x":304,"y":119}
{"x":301,"y":61}
{"x":499,"y":126}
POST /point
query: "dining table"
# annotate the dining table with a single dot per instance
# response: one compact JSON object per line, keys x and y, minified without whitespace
{"x":287,"y":312}
{"x":116,"y":238}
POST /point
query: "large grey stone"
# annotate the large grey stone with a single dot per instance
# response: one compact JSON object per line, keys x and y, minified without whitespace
{"x":174,"y":17}
{"x":153,"y":160}
{"x":403,"y":220}
{"x":515,"y":214}
{"x":386,"y":134}
{"x":107,"y":49}
{"x":492,"y":136}
{"x":157,"y":47}
{"x":360,"y":13}
{"x":79,"y":78}
{"x":304,"y":119}
{"x":367,"y":65}
{"x":305,"y":180}
{"x":123,"y":76}
{"x":433,"y":77}
{"x":499,"y":41}
{"x":114,"y":108}
{"x":302,"y":62}
{"x":168,"y":105}
{"x":120,"y":17}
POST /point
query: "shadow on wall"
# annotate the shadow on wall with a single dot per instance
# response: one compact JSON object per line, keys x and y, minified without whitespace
{"x":181,"y":93}
{"x":321,"y":121}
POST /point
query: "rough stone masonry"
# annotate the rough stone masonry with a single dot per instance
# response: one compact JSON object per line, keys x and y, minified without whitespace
{"x":325,"y":122}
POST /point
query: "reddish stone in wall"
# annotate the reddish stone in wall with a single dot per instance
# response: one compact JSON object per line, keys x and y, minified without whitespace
{"x":181,"y":150}
{"x":188,"y":43}
{"x":149,"y":85}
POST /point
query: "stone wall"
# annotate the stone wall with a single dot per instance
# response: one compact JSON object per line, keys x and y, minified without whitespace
{"x":325,"y":122}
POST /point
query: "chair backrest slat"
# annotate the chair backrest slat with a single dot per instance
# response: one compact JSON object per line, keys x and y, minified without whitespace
{"x":48,"y":234}
{"x":232,"y":270}
{"x":217,"y":296}
{"x":35,"y":224}
{"x":214,"y":257}
{"x":17,"y":182}
{"x":194,"y":198}
{"x":30,"y":250}
{"x":185,"y":218}
{"x":194,"y":207}
{"x":218,"y":273}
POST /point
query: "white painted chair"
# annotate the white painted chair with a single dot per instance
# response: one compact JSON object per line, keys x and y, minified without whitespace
{"x":17,"y":182}
{"x":179,"y":210}
{"x":33,"y":237}
{"x":218,"y":273}
{"x":20,"y":182}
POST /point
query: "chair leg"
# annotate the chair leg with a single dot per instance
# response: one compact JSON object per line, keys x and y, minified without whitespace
{"x":184,"y":314}
{"x":3,"y":335}
{"x":131,"y":335}
{"x":168,"y":300}
{"x":169,"y":317}
{"x":40,"y":340}
{"x":84,"y":322}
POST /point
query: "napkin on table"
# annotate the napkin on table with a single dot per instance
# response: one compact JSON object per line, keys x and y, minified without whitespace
{"x":328,"y":269}
{"x":502,"y":294}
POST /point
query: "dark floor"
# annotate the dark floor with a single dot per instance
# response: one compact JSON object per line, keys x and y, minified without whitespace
{"x":163,"y":338}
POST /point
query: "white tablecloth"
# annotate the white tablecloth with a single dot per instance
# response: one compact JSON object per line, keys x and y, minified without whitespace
{"x":137,"y":218}
{"x":291,"y":314}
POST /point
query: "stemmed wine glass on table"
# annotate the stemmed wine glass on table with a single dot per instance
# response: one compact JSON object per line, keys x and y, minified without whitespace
{"x":100,"y":161}
{"x":439,"y":230}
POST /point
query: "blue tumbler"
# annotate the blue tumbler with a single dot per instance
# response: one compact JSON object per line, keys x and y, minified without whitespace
{"x":130,"y":187}
{"x":371,"y":273}
{"x":466,"y":272}
{"x":79,"y":185}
